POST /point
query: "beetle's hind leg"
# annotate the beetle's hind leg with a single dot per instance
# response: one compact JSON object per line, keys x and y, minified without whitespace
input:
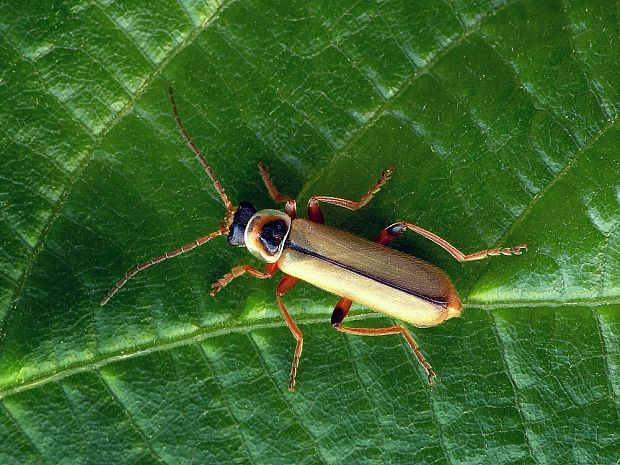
{"x":392,"y":231}
{"x":291,"y":205}
{"x":344,"y":305}
{"x":337,"y":318}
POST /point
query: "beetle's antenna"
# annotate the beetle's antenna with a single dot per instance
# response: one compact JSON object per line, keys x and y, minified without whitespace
{"x":223,"y":229}
{"x":154,"y":261}
{"x":203,"y":161}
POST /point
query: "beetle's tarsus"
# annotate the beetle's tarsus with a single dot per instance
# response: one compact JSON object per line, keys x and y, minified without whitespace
{"x":293,"y":375}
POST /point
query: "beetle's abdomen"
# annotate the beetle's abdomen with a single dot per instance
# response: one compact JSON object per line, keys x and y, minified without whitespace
{"x":368,"y":273}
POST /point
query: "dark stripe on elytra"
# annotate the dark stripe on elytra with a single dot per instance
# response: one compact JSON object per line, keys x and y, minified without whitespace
{"x":296,"y":247}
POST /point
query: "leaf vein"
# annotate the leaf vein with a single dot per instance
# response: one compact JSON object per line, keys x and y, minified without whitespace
{"x":529,"y":90}
{"x":606,"y":360}
{"x":44,"y":89}
{"x":433,"y":58}
{"x":312,"y":437}
{"x":223,"y":395}
{"x":561,"y":174}
{"x":502,"y":351}
{"x":581,"y":65}
{"x":353,"y":359}
{"x":127,"y":35}
{"x":132,"y":423}
{"x":415,"y":363}
{"x":308,"y":119}
{"x":30,"y":441}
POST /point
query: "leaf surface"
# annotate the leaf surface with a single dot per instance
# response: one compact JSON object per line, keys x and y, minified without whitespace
{"x":501,"y":121}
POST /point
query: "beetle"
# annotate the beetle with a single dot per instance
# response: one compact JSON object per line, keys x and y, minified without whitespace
{"x":356,"y":269}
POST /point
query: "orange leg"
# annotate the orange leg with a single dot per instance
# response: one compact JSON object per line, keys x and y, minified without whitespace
{"x":401,"y":226}
{"x":237,"y":271}
{"x":314,"y":212}
{"x":291,"y":206}
{"x":286,"y":284}
{"x":393,"y":330}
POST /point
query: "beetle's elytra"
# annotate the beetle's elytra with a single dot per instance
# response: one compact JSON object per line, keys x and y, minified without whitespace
{"x":357,"y":270}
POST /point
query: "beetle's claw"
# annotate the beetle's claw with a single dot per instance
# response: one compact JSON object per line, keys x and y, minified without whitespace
{"x":216,"y":287}
{"x":518,"y":250}
{"x":431,"y":376}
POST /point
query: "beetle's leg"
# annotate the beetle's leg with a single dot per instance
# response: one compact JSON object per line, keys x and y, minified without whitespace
{"x":341,"y":311}
{"x":384,"y":332}
{"x":237,"y":271}
{"x":291,"y":205}
{"x":395,"y":229}
{"x":350,"y":204}
{"x":287,"y":283}
{"x":314,"y":212}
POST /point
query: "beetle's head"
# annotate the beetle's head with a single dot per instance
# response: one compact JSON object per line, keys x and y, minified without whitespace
{"x":244,"y":212}
{"x":263,"y":232}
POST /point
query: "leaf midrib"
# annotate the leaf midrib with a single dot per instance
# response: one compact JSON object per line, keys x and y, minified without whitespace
{"x":233,"y":327}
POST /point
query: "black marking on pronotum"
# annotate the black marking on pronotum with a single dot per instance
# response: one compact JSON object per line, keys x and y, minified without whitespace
{"x":293,"y":246}
{"x":272,"y":235}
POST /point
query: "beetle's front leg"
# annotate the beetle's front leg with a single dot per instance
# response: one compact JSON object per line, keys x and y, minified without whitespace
{"x":291,"y":205}
{"x":314,"y":211}
{"x":237,"y":271}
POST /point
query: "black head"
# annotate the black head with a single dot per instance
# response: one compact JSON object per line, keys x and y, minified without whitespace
{"x":244,"y":212}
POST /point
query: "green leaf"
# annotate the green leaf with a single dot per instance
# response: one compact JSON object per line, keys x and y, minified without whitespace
{"x":501,"y":121}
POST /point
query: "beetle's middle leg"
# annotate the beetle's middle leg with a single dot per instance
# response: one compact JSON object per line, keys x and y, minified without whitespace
{"x":286,"y":284}
{"x":237,"y":271}
{"x":314,"y":211}
{"x":291,"y":205}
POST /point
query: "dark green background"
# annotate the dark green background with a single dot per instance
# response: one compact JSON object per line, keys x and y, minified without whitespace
{"x":501,"y":121}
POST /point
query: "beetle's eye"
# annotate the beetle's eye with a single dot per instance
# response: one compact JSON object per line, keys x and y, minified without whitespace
{"x":272,"y":234}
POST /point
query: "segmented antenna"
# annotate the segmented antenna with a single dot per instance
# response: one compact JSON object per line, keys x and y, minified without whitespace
{"x":203,"y":161}
{"x":154,"y":261}
{"x":223,"y":229}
